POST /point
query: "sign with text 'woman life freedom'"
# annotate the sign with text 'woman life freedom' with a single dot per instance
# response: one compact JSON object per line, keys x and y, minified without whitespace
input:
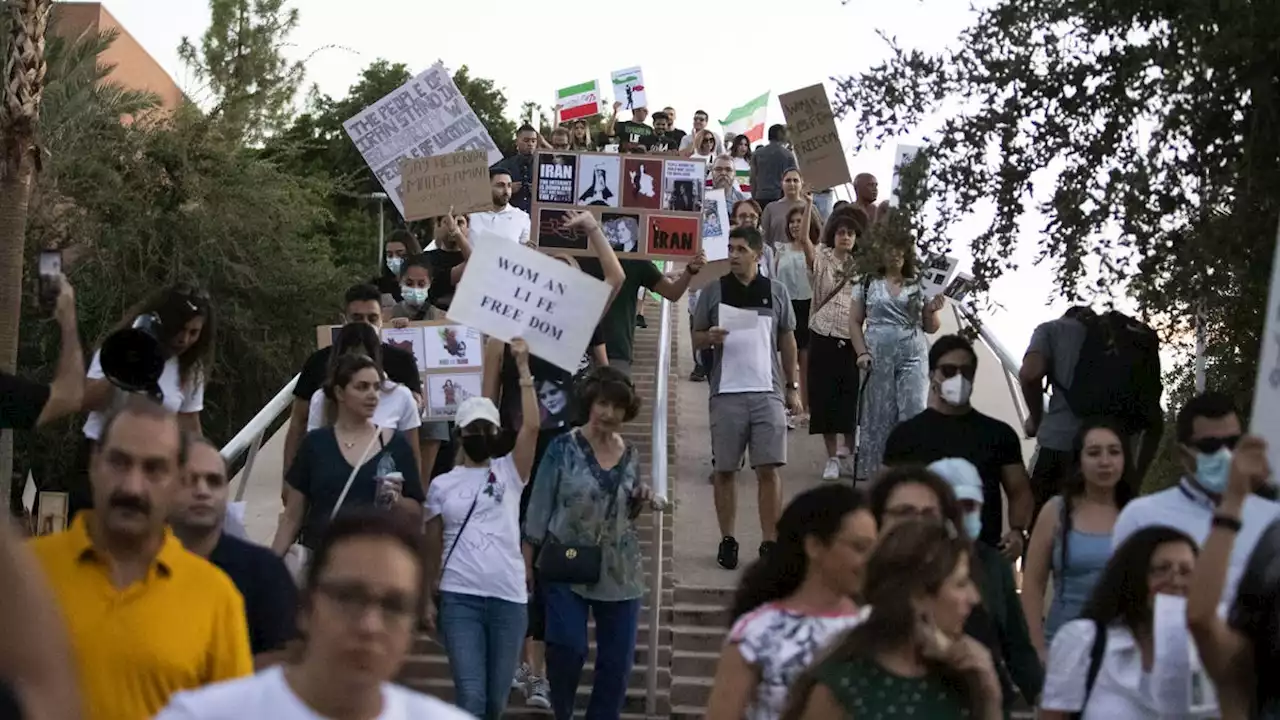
{"x":509,"y":291}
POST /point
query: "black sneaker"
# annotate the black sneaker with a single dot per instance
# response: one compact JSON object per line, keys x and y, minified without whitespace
{"x":728,"y":555}
{"x":640,"y":322}
{"x":767,"y":547}
{"x":698,"y":375}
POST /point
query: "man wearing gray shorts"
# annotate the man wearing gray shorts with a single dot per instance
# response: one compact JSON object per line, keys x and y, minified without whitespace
{"x":747,"y":320}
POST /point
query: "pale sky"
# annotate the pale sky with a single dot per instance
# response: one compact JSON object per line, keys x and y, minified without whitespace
{"x":530,"y":50}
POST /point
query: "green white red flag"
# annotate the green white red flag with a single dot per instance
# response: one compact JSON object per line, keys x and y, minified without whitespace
{"x":578,"y":101}
{"x":747,"y":120}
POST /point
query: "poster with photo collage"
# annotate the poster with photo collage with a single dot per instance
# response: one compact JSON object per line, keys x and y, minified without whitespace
{"x":649,"y":206}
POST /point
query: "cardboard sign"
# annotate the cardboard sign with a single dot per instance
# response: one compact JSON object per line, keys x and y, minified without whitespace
{"x":648,"y":206}
{"x":509,"y":291}
{"x":1266,"y":391}
{"x":902,"y":157}
{"x":578,"y":101}
{"x":424,"y":117}
{"x":811,"y":128}
{"x":449,"y":356}
{"x":430,"y":186}
{"x":628,"y":88}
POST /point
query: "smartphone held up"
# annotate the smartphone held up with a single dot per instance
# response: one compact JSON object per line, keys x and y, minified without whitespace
{"x":50,"y":271}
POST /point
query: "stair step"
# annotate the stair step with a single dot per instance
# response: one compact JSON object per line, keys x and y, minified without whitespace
{"x":436,"y":667}
{"x":703,"y":595}
{"x":694,"y":664}
{"x":700,"y":615}
{"x":692,"y":692}
{"x":697,"y":639}
{"x":635,"y":701}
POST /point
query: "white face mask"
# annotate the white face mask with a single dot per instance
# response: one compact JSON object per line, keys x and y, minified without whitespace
{"x":413,"y":296}
{"x":956,"y":390}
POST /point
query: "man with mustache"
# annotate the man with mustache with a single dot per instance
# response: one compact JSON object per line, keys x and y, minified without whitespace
{"x":198,"y":519}
{"x":146,"y":617}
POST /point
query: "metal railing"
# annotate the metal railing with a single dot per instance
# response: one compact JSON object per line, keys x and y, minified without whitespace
{"x":249,"y":439}
{"x":658,"y":481}
{"x":965,"y":314}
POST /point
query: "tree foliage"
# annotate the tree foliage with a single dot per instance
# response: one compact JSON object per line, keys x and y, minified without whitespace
{"x":240,"y":58}
{"x":1145,"y":134}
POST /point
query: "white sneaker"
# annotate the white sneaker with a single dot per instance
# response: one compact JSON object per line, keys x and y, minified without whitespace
{"x":523,"y":675}
{"x":832,"y":470}
{"x":846,"y":466}
{"x":538,"y":693}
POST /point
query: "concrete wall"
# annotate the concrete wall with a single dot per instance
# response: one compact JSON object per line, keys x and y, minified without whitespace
{"x":132,"y":66}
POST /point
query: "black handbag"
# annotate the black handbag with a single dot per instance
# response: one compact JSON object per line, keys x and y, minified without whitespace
{"x":574,"y":564}
{"x":435,"y":597}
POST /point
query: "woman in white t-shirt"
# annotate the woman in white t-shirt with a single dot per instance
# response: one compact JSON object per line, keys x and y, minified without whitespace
{"x":183,"y":320}
{"x":473,"y":536}
{"x":1116,"y":676}
{"x":397,"y":407}
{"x":792,"y":601}
{"x":357,"y":615}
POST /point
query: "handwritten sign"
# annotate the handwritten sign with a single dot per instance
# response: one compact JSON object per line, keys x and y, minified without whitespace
{"x":429,"y":186}
{"x":509,"y":291}
{"x":628,"y":88}
{"x":1266,"y":391}
{"x":811,"y":127}
{"x":424,"y":117}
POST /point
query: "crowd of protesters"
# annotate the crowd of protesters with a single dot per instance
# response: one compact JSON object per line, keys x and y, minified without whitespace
{"x":507,"y":530}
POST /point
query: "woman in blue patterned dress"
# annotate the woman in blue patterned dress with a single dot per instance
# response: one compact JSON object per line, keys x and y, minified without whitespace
{"x":588,"y":493}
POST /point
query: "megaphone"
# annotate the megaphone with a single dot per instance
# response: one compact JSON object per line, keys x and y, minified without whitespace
{"x":133,"y":358}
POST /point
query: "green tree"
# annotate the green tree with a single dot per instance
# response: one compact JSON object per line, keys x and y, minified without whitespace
{"x":490,"y":105}
{"x":531,"y":113}
{"x":240,"y":58}
{"x":1153,"y":128}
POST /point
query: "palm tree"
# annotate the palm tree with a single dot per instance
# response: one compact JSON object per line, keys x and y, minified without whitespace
{"x":19,"y":160}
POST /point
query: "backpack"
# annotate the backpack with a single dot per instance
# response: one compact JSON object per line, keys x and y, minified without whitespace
{"x":1117,"y":374}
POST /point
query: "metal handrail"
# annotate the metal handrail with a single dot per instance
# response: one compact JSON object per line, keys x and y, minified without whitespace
{"x":249,"y":439}
{"x":658,"y":481}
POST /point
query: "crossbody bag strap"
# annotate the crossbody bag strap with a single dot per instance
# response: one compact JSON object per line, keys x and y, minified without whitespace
{"x":354,"y":471}
{"x":454,"y":545}
{"x":831,"y":295}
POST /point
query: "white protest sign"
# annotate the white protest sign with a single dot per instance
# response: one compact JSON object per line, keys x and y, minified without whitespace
{"x":509,"y":291}
{"x":628,"y":88}
{"x":1266,"y":391}
{"x":936,"y":272}
{"x":426,"y":116}
{"x":902,"y":157}
{"x":578,"y":101}
{"x":715,"y":225}
{"x":736,"y":319}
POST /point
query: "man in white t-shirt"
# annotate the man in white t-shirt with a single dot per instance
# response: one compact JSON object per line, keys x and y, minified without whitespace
{"x":504,"y":221}
{"x":358,"y":613}
{"x":748,"y":321}
{"x":1208,"y":429}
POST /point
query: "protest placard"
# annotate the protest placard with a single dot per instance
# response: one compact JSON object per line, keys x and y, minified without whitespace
{"x":903,"y":155}
{"x":1266,"y":391}
{"x":449,"y":356}
{"x":510,"y":291}
{"x":430,"y":186}
{"x":578,"y":101}
{"x":811,"y":128}
{"x":426,"y":116}
{"x":959,"y":287}
{"x":628,"y":88}
{"x":715,"y":225}
{"x":648,"y":206}
{"x":936,"y":272}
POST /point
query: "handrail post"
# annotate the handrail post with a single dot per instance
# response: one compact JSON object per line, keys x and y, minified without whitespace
{"x":658,"y":481}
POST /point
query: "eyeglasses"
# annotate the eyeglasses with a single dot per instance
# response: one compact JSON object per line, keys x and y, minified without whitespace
{"x":1169,"y":570}
{"x":354,"y":601}
{"x":1211,"y":445}
{"x":949,"y":370}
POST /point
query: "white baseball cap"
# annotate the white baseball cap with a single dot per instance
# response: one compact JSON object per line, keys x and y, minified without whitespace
{"x":962,"y":476}
{"x":476,"y":408}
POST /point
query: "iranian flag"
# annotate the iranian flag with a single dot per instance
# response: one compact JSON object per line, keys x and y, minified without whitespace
{"x":747,"y":120}
{"x":578,"y":101}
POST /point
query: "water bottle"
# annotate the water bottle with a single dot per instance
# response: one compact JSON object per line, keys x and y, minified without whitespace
{"x":389,"y":483}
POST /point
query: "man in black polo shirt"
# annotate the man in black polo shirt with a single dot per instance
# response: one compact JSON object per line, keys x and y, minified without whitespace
{"x":25,"y":405}
{"x":363,"y":303}
{"x":270,"y":596}
{"x":520,"y":167}
{"x":951,"y":428}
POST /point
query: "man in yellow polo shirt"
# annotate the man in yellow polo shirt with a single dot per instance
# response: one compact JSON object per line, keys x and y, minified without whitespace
{"x":146,"y":617}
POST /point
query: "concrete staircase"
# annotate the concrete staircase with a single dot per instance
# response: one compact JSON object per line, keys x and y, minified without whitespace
{"x":427,"y":668}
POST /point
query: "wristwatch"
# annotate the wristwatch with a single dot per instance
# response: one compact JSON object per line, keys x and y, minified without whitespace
{"x":793,"y":386}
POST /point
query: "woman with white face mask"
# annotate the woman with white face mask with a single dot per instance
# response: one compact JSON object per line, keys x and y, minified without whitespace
{"x":415,"y":281}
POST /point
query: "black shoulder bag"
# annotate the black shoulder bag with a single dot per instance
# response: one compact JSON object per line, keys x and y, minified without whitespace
{"x":435,"y":598}
{"x":1096,"y":654}
{"x":573,"y":564}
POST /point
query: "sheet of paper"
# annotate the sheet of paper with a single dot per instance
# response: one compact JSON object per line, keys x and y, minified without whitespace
{"x":736,"y":319}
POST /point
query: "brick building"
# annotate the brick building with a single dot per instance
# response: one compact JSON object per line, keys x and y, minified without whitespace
{"x":132,"y":66}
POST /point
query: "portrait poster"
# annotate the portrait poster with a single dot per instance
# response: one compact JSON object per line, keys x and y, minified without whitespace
{"x":51,"y":515}
{"x":673,"y":236}
{"x":453,"y":346}
{"x":936,"y":271}
{"x":628,"y":88}
{"x":641,"y":183}
{"x":682,"y":184}
{"x":715,"y":225}
{"x":622,"y":230}
{"x":446,"y":391}
{"x":598,"y":180}
{"x":811,"y":129}
{"x":556,"y":175}
{"x":959,"y":287}
{"x":553,"y":233}
{"x":409,"y":339}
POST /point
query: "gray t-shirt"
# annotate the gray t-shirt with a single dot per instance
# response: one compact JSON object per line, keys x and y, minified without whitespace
{"x":771,"y":162}
{"x":766,"y":297}
{"x":1059,"y":342}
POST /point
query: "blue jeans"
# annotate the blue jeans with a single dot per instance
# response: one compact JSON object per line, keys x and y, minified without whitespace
{"x":566,"y":636}
{"x":482,"y":637}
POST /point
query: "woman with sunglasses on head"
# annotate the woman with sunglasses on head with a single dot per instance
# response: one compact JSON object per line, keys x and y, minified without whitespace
{"x":791,"y":601}
{"x":1103,"y":664}
{"x":910,"y":657}
{"x":473,"y":538}
{"x":949,"y":491}
{"x":1072,"y":538}
{"x":582,"y":517}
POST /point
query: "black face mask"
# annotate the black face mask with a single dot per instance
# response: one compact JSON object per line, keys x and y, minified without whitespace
{"x":478,"y":447}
